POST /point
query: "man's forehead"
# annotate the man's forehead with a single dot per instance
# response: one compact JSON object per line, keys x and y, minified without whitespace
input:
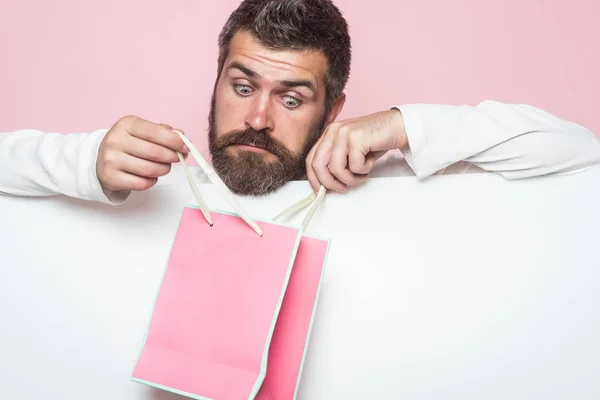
{"x":297,"y":64}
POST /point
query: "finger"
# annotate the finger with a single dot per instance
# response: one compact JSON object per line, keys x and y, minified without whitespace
{"x":148,"y":151}
{"x":372,"y":158}
{"x":310,"y":173}
{"x":120,"y":180}
{"x":184,"y":154}
{"x":338,"y":165}
{"x":155,"y":133}
{"x":143,"y":168}
{"x":359,"y":163}
{"x":376,"y":155}
{"x":357,"y":157}
{"x":321,"y":160}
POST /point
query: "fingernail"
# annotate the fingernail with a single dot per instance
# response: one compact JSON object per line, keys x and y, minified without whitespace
{"x":185,"y":149}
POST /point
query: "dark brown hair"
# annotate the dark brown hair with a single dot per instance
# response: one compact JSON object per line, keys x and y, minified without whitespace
{"x":295,"y":25}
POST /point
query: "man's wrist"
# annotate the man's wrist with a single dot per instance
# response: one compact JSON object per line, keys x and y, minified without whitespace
{"x":397,"y":121}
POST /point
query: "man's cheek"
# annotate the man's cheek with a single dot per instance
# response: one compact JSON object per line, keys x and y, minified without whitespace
{"x":298,"y":142}
{"x":230,"y":116}
{"x":223,"y":121}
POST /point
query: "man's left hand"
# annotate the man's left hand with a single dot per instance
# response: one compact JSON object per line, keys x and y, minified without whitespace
{"x":347,"y":150}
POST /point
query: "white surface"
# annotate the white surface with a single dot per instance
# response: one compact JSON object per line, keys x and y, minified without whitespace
{"x":459,"y":287}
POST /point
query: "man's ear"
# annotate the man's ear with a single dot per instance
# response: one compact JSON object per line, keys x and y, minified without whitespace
{"x":335,"y":109}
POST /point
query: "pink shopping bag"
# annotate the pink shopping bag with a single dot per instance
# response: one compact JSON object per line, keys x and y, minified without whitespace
{"x":217,"y":307}
{"x":290,"y":341}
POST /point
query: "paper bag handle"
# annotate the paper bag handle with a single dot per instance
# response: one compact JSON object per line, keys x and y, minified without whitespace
{"x":315,"y":199}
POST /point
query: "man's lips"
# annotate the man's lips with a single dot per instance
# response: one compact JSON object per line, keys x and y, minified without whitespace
{"x":251,"y":147}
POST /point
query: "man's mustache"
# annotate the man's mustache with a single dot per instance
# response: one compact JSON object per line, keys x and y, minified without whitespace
{"x":254,"y":138}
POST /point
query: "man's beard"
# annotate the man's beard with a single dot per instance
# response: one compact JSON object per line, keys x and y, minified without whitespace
{"x":248,"y":173}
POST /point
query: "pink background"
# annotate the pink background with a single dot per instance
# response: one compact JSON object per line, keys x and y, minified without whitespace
{"x":71,"y":66}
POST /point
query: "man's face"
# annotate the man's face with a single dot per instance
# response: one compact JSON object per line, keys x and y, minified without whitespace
{"x":267,"y":112}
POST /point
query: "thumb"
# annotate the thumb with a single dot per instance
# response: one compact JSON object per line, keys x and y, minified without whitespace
{"x":362,"y":164}
{"x":183,"y":153}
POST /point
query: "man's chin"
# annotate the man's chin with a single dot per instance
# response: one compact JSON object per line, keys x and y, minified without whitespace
{"x":249,"y":179}
{"x":255,"y":194}
{"x":253,"y":189}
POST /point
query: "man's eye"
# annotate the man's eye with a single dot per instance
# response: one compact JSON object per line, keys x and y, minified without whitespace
{"x":291,"y":102}
{"x":244,"y":90}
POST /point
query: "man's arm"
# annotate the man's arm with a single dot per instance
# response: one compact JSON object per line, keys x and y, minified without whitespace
{"x":104,"y":166}
{"x":34,"y":163}
{"x":515,"y":141}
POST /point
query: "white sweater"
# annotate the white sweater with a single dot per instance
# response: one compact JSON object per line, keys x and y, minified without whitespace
{"x":515,"y":141}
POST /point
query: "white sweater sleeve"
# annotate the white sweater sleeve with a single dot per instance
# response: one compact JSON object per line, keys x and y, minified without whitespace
{"x":515,"y":141}
{"x":34,"y":163}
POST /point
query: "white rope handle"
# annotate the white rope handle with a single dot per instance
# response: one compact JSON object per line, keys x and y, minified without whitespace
{"x":313,"y":209}
{"x":315,"y":199}
{"x":201,"y":204}
{"x":296,"y":206}
{"x":216,"y":180}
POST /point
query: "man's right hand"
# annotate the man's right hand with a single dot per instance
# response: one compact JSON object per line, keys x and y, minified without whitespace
{"x":135,"y":153}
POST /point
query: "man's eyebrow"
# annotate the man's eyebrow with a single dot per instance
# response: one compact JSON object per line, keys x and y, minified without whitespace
{"x":243,"y":68}
{"x":305,"y":83}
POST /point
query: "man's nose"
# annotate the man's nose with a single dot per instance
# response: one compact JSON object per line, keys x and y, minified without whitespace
{"x":260,"y":115}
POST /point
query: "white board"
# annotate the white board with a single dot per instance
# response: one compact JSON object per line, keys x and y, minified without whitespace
{"x":458,"y":287}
